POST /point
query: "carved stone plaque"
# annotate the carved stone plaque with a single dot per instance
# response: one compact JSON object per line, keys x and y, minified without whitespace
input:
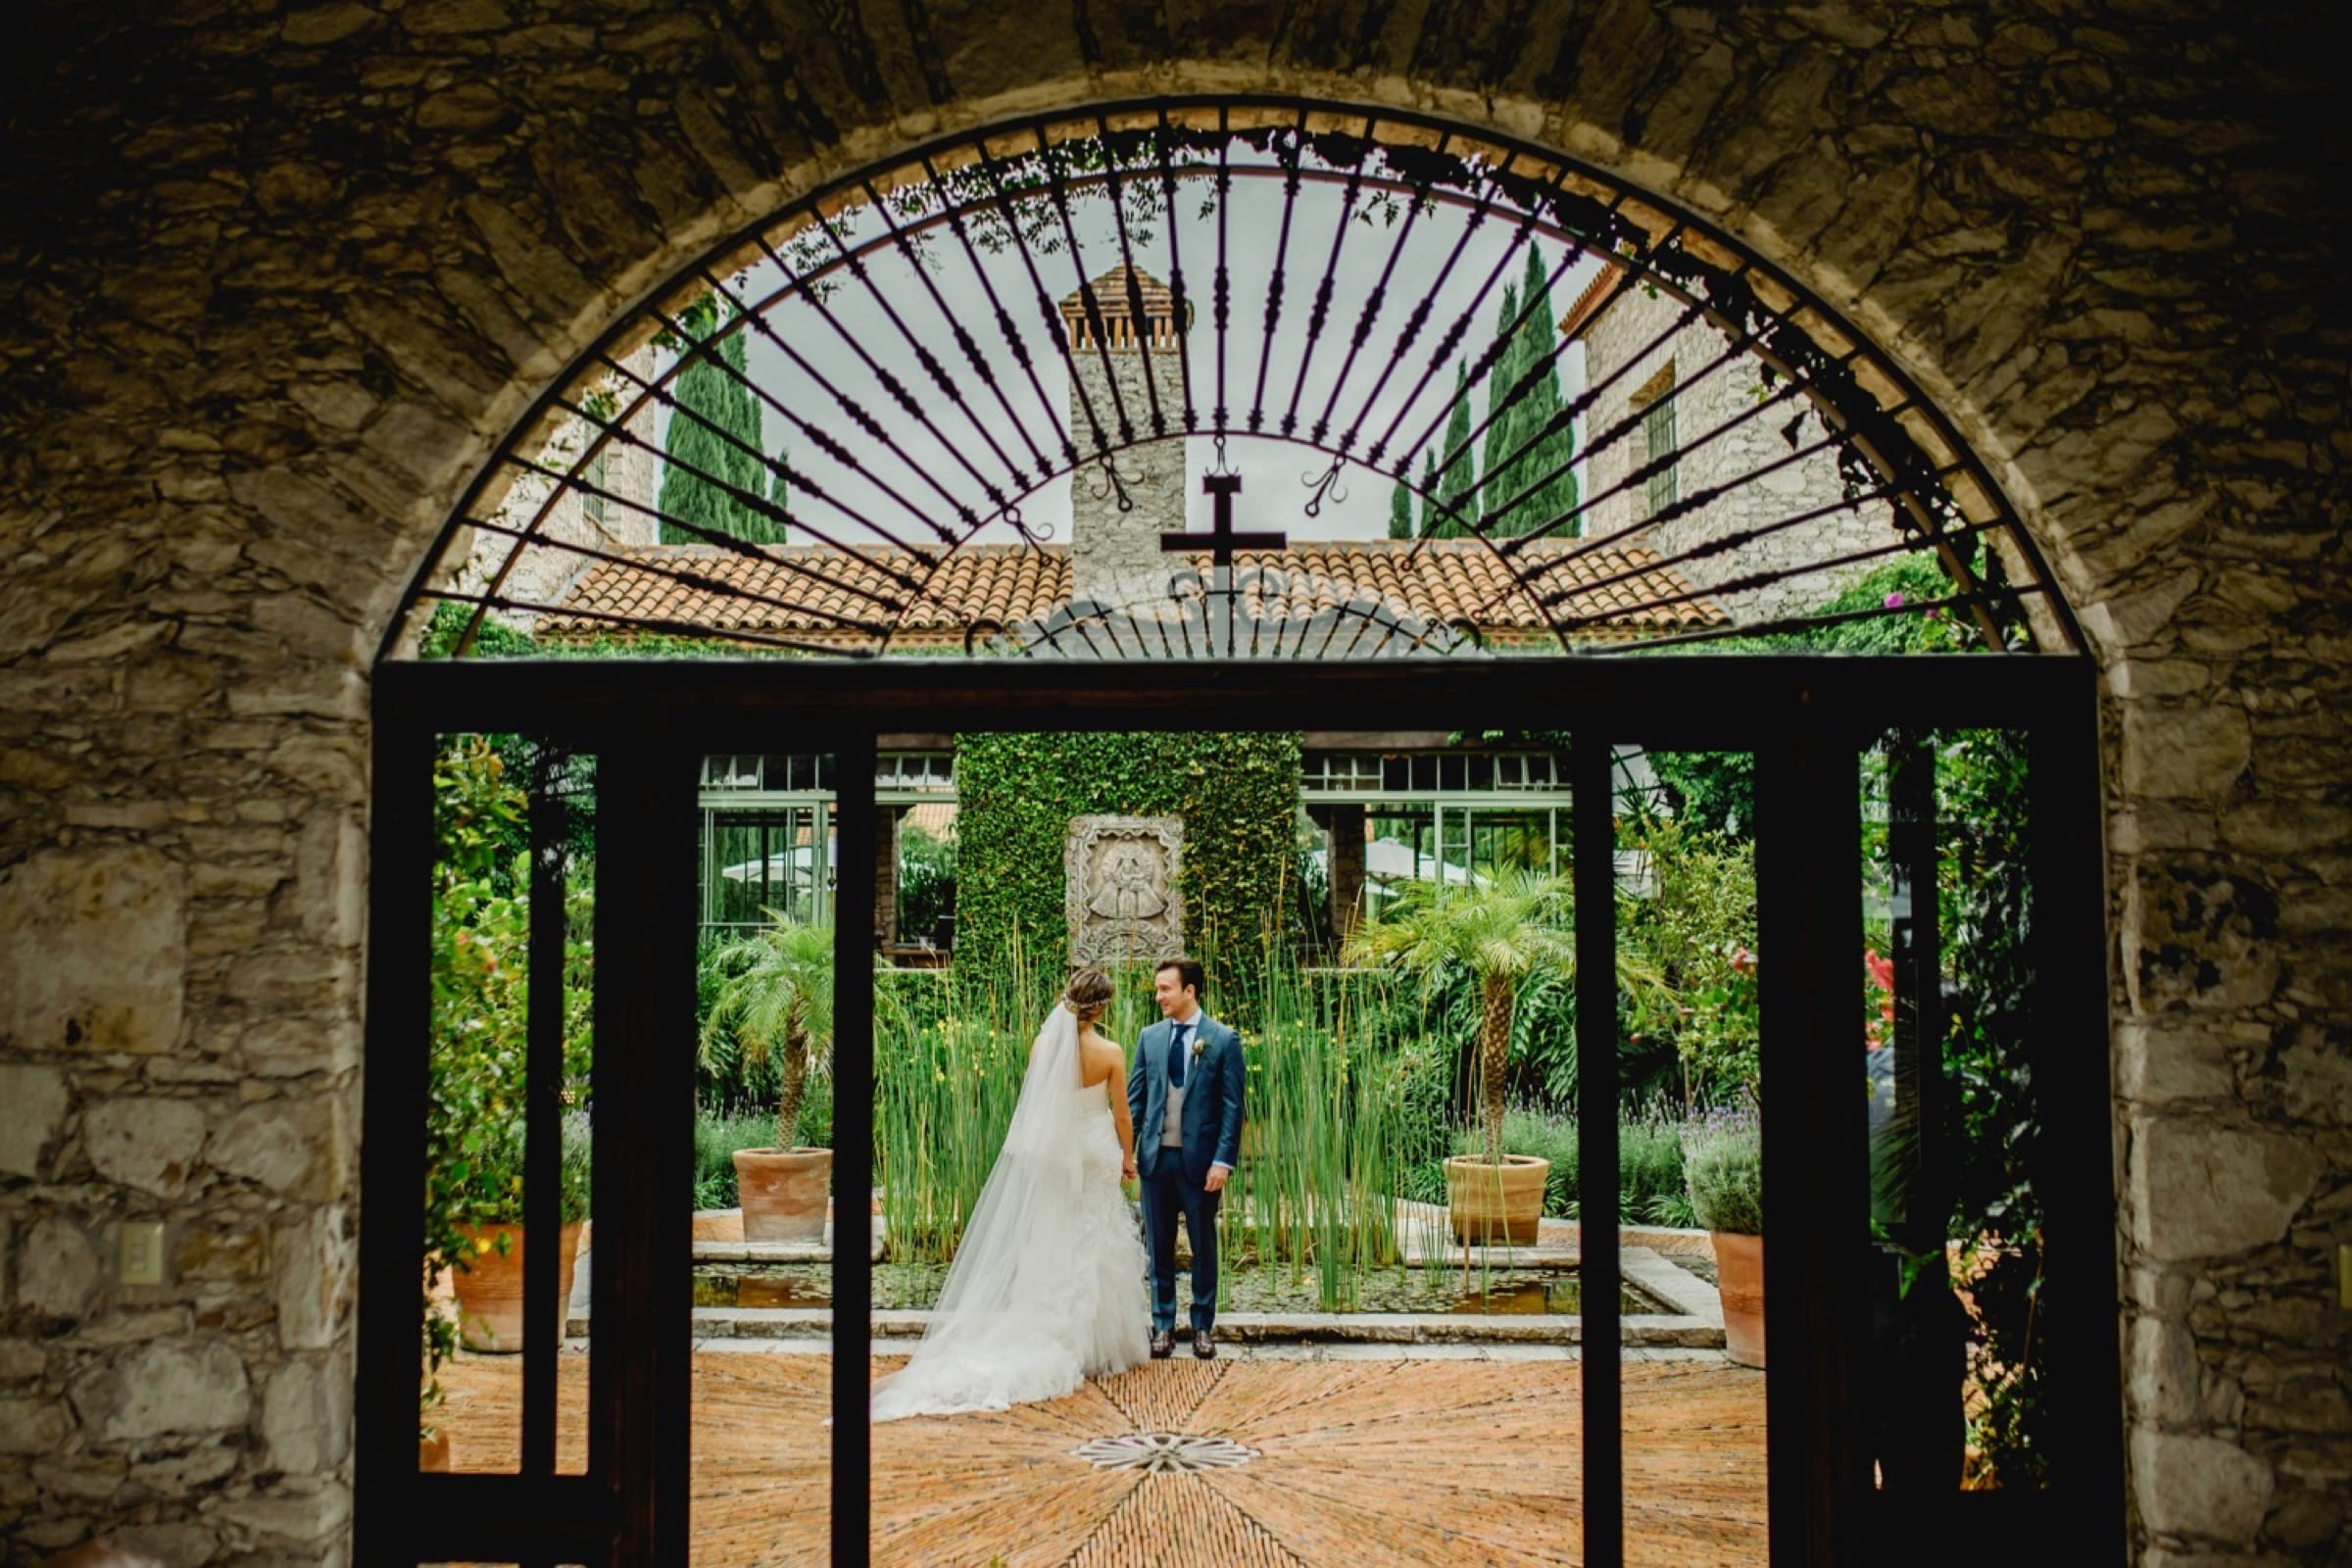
{"x":1121,"y":893}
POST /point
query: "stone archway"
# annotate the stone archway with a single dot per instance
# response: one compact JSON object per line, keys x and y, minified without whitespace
{"x":260,"y":394}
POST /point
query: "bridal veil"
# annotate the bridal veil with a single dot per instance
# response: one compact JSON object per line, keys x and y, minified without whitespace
{"x":1022,"y":1315}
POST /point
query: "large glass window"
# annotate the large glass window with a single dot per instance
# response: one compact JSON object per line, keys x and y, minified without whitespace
{"x":755,"y":860}
{"x":1459,"y":845}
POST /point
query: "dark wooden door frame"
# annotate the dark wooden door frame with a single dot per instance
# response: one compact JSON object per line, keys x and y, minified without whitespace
{"x":648,"y":722}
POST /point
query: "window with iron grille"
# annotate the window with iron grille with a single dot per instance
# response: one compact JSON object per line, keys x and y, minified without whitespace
{"x":1659,"y":448}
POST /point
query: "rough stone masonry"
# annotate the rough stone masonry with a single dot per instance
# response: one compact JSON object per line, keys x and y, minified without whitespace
{"x":1123,"y":378}
{"x":276,"y":278}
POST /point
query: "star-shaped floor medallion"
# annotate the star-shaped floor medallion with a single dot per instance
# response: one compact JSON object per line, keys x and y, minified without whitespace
{"x":1159,"y":1452}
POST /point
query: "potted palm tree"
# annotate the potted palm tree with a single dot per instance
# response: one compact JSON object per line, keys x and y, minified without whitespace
{"x":776,"y":1002}
{"x":1501,"y":930}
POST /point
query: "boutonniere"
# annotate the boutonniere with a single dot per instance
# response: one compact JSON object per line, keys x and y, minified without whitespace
{"x":1198,"y":1044}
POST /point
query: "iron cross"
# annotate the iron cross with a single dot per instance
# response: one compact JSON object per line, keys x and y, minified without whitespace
{"x":1221,"y":541}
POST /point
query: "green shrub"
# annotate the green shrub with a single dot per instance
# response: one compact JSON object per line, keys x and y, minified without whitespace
{"x":926,"y":883}
{"x":1723,"y":1164}
{"x":1698,"y":935}
{"x":1423,"y":1183}
{"x":1649,"y":1173}
{"x":717,"y":1134}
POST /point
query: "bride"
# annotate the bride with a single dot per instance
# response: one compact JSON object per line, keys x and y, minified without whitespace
{"x":1047,"y":1286}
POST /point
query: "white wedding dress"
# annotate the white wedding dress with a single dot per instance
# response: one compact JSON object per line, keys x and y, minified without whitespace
{"x":1048,"y":1287}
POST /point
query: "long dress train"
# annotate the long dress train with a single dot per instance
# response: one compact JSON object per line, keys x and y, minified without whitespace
{"x":1046,"y":1287}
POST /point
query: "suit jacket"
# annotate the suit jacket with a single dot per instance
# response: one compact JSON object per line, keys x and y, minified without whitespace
{"x":1211,"y":1123}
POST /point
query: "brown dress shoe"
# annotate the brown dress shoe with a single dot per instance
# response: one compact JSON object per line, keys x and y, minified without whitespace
{"x":1205,"y":1343}
{"x":1164,"y":1345}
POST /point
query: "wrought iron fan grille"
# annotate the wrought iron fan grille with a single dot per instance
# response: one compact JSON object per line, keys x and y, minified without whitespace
{"x":968,"y":402}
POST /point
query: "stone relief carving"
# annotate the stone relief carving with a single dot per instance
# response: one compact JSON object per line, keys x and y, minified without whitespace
{"x":1121,"y":896}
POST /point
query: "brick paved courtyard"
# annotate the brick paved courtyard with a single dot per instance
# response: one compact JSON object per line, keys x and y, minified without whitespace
{"x":1361,"y":1456}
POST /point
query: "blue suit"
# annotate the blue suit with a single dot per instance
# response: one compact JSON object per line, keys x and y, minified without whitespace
{"x":1212,"y":1128}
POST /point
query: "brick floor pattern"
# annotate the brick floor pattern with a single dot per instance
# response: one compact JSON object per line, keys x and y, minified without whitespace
{"x":1361,"y":1463}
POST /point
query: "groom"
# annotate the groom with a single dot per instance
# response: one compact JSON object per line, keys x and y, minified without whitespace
{"x":1185,"y":1096}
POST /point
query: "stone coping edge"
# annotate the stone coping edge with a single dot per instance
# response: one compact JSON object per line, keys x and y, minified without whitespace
{"x":772,"y":1251}
{"x":1696,"y":1321}
{"x":1632,"y":1238}
{"x":1250,"y":1328}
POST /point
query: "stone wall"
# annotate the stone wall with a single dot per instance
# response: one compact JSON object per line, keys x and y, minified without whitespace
{"x":623,"y":518}
{"x":1116,"y":558}
{"x":276,"y":280}
{"x":1632,"y":348}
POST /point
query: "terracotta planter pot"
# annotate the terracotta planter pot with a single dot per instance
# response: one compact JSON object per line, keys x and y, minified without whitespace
{"x":432,"y":1453}
{"x":1739,"y":1281}
{"x":783,"y":1193}
{"x":490,"y":1290}
{"x":1492,"y":1207}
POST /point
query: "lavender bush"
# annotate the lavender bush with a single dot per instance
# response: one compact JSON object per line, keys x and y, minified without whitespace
{"x":1723,"y":1164}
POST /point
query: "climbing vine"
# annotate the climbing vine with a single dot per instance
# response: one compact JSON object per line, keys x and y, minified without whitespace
{"x":1016,"y":794}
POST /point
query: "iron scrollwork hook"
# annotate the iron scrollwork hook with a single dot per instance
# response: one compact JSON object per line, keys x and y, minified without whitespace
{"x":1324,"y":486}
{"x":1113,"y":483}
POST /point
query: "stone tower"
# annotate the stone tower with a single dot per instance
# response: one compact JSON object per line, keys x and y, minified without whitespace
{"x":1115,"y":555}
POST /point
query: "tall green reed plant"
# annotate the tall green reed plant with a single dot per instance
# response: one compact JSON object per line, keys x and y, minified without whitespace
{"x":1339,"y":1111}
{"x":946,"y":1077}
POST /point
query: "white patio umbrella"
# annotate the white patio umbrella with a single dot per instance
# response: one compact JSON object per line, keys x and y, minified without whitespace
{"x":1386,"y":862}
{"x":785,"y":865}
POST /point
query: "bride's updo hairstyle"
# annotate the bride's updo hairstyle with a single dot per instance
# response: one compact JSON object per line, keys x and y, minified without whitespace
{"x":1089,"y":993}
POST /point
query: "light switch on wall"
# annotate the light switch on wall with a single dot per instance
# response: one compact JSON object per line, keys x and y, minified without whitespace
{"x":142,"y":1259}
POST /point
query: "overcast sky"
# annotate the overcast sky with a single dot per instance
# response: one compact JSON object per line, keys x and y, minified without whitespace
{"x":1276,"y":474}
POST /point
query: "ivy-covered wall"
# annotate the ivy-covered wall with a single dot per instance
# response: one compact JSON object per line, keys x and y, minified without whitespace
{"x":1015,"y":796}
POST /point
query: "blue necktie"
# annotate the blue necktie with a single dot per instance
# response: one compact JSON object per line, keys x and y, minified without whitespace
{"x":1176,"y":1054}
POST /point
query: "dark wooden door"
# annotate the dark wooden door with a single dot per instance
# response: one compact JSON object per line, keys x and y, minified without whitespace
{"x":648,"y":722}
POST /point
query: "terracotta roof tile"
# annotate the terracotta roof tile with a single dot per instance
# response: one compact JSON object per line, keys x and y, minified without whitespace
{"x":817,"y":593}
{"x":1110,"y":293}
{"x":1593,"y":300}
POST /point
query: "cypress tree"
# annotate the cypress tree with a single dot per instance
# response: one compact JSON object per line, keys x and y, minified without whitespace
{"x":1456,"y":486}
{"x":1428,"y":492}
{"x":711,"y":399}
{"x":1401,"y":511}
{"x":1530,"y":351}
{"x":779,"y":491}
{"x":1502,"y":428}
